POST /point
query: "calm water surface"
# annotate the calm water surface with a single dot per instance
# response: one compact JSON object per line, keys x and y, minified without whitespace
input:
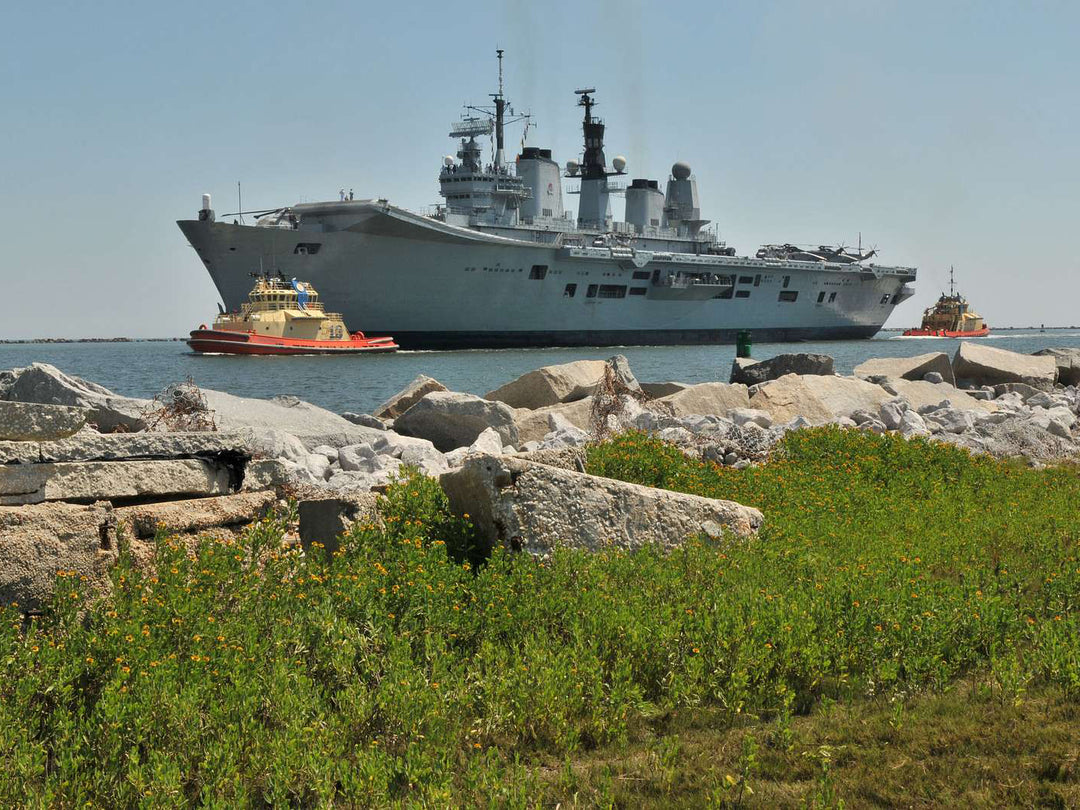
{"x":361,"y":383}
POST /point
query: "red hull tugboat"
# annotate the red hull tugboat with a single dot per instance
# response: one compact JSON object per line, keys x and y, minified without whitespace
{"x":950,"y":317}
{"x":283,"y":317}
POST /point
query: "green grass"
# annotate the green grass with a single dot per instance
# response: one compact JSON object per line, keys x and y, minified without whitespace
{"x":903,"y":598}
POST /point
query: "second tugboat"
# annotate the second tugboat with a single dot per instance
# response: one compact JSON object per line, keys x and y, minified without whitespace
{"x":950,"y":317}
{"x":283,"y":317}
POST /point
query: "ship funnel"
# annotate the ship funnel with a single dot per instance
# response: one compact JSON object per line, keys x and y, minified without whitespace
{"x":644,"y":204}
{"x":541,"y":175}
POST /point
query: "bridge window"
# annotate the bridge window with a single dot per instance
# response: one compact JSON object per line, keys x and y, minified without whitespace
{"x":885,"y":298}
{"x":789,"y":295}
{"x":538,"y":272}
{"x":746,"y":279}
{"x":612,"y":291}
{"x":641,"y":275}
{"x":307,"y":248}
{"x":821,"y":296}
{"x":569,"y":291}
{"x":591,"y":292}
{"x":638,"y":290}
{"x":742,"y":294}
{"x":757,"y":280}
{"x":787,"y":280}
{"x":832,"y":297}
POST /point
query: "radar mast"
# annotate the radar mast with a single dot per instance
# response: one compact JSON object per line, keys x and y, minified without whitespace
{"x":498,"y":115}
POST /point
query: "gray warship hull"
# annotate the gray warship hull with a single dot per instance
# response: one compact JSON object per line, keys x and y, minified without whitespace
{"x":435,"y":285}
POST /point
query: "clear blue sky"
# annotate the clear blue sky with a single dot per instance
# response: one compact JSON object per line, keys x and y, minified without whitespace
{"x":946,"y":132}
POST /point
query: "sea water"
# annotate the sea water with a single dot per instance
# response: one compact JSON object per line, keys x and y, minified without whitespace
{"x":360,"y":382}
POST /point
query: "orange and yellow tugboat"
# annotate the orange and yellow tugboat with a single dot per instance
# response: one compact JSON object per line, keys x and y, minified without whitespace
{"x":950,"y":317}
{"x":283,"y":317}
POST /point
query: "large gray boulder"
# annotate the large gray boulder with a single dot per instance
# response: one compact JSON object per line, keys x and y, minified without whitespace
{"x":38,"y":542}
{"x":802,"y":363}
{"x":817,"y":398}
{"x":88,"y":445}
{"x":663,"y":389}
{"x":195,"y":514}
{"x":47,"y":385}
{"x":309,"y":423}
{"x":364,"y":420}
{"x":114,"y":480}
{"x":536,"y":507}
{"x":551,"y":385}
{"x":33,"y":422}
{"x":408,"y":396}
{"x":907,"y":368}
{"x":533,"y":425}
{"x":920,"y":394}
{"x":273,"y":443}
{"x":1068,"y":364}
{"x":323,"y":521}
{"x":624,"y":377}
{"x":987,"y":365}
{"x":715,"y":398}
{"x":449,"y":419}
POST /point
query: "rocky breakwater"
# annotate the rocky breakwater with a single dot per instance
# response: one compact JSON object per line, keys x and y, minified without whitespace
{"x":513,"y":459}
{"x":68,"y":490}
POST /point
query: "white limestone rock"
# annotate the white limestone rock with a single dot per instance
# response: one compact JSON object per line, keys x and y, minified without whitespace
{"x":950,"y":420}
{"x":408,"y":396}
{"x":533,"y":425}
{"x":911,"y":424}
{"x":891,"y":413}
{"x":112,"y":480}
{"x":426,"y":458}
{"x":25,"y":422}
{"x":273,"y":443}
{"x":535,"y":508}
{"x":354,"y":457}
{"x":716,"y":398}
{"x":47,"y":385}
{"x":742,"y":416}
{"x":450,"y":419}
{"x":820,"y":399}
{"x":312,"y":425}
{"x":551,"y":385}
{"x":908,"y":368}
{"x":919,"y":393}
{"x":488,"y":442}
{"x":318,"y":465}
{"x":990,"y":365}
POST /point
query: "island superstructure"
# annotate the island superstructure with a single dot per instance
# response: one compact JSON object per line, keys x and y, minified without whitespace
{"x":501,"y":262}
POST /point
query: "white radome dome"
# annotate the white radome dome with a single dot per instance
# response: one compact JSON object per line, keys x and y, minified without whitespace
{"x":681,"y":170}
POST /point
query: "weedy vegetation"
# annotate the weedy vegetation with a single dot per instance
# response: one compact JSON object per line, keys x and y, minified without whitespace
{"x":904,"y":631}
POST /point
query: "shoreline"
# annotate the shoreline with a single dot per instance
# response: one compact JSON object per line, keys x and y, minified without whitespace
{"x":54,"y":340}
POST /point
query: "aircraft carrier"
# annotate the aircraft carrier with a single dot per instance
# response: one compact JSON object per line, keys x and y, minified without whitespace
{"x":502,"y":263}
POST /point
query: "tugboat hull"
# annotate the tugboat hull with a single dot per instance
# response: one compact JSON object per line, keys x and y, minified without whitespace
{"x":947,"y":333}
{"x":218,"y":341}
